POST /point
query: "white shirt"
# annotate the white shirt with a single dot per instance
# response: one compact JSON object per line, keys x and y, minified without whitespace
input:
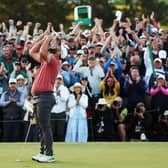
{"x":61,"y":100}
{"x":94,"y":78}
{"x":83,"y":104}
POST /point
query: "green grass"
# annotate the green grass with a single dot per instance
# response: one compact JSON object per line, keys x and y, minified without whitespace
{"x":89,"y":155}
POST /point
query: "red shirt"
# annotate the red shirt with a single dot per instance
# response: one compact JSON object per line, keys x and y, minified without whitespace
{"x":46,"y":75}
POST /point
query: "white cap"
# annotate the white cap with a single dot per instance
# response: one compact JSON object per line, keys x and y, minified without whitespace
{"x":101,"y":101}
{"x":80,"y":52}
{"x":99,"y":44}
{"x":161,"y":76}
{"x":165,"y":113}
{"x":11,"y":38}
{"x":59,"y":76}
{"x":20,"y":76}
{"x":77,"y":84}
{"x":65,"y":63}
{"x":162,"y":54}
{"x":12,"y":80}
{"x":84,"y":46}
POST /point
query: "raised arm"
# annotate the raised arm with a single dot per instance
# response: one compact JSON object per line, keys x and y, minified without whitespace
{"x":44,"y":49}
{"x":34,"y":51}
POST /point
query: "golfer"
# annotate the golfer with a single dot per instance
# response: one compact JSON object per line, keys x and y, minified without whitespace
{"x":42,"y":90}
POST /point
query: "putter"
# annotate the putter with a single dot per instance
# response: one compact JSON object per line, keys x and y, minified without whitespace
{"x":23,"y":146}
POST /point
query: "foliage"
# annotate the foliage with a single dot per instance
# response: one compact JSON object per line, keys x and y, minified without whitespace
{"x":31,"y":10}
{"x":56,"y":10}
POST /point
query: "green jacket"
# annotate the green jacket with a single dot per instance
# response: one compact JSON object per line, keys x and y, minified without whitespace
{"x":8,"y":66}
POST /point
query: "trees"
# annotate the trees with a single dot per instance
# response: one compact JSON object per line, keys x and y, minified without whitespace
{"x":32,"y":10}
{"x":57,"y":10}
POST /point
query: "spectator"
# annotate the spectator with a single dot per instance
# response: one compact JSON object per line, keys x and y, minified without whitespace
{"x":134,"y":88}
{"x":22,"y":85}
{"x":59,"y":110}
{"x":12,"y":102}
{"x":1,"y":43}
{"x":91,"y":50}
{"x":103,"y":122}
{"x":90,"y":109}
{"x":109,"y":87}
{"x":3,"y":79}
{"x":88,"y":91}
{"x":94,"y":73}
{"x":77,"y":129}
{"x":21,"y":68}
{"x":7,"y":59}
{"x":159,"y":94}
{"x":114,"y":65}
{"x":19,"y":52}
{"x":142,"y":123}
{"x":66,"y":72}
{"x":3,"y":88}
{"x":119,"y":113}
{"x":163,"y":127}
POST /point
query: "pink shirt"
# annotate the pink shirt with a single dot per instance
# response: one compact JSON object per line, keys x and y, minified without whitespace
{"x":163,"y":90}
{"x":46,"y":75}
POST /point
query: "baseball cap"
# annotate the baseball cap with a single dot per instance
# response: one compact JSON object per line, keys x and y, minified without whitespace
{"x":84,"y":47}
{"x":59,"y":76}
{"x":157,"y":60}
{"x":91,"y":46}
{"x":12,"y":80}
{"x":160,"y":76}
{"x":65,"y":63}
{"x":101,"y":101}
{"x":80,"y":52}
{"x":112,"y":63}
{"x":99,"y":44}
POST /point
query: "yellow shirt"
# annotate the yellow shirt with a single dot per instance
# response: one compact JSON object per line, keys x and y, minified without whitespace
{"x":109,"y":99}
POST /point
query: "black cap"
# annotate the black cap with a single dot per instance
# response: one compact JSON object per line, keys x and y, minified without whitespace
{"x":84,"y":78}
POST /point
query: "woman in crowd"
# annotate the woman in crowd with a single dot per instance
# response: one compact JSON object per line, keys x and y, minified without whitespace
{"x":159,"y":93}
{"x":77,"y":129}
{"x":109,"y":87}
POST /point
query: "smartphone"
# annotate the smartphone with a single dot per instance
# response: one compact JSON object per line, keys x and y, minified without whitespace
{"x":118,"y":15}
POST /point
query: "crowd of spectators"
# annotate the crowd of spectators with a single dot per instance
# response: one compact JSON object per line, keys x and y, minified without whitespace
{"x":121,"y":72}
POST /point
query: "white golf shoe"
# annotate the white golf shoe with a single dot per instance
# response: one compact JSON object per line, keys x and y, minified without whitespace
{"x":36,"y":157}
{"x":46,"y":159}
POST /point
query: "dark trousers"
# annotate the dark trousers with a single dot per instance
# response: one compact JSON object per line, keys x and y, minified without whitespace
{"x":43,"y":105}
{"x":58,"y":126}
{"x":12,"y":131}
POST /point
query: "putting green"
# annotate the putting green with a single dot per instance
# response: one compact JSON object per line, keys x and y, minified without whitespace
{"x":88,"y":155}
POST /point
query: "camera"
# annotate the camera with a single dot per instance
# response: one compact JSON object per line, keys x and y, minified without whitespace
{"x":100,"y":106}
{"x":140,"y":108}
{"x":116,"y":103}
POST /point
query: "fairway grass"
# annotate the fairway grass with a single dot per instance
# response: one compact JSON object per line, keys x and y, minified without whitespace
{"x":88,"y":155}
